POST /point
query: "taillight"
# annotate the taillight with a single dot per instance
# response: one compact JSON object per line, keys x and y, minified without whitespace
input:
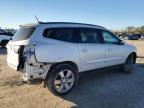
{"x":16,"y":48}
{"x":8,"y":46}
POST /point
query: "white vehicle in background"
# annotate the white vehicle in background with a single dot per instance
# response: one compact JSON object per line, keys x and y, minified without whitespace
{"x":58,"y":51}
{"x":142,"y":37}
{"x":4,"y":38}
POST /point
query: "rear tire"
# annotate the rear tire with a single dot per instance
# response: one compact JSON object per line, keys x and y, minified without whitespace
{"x":62,"y":79}
{"x":128,"y":66}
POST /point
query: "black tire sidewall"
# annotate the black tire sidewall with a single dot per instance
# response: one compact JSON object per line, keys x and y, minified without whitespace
{"x":129,"y":59}
{"x":51,"y":78}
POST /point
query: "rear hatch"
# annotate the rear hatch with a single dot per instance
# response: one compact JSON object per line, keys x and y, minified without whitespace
{"x":19,"y":39}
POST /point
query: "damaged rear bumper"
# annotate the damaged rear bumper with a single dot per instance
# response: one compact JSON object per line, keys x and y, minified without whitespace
{"x":33,"y":69}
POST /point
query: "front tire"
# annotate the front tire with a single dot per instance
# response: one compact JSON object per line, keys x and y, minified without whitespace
{"x":62,"y":79}
{"x":128,"y":66}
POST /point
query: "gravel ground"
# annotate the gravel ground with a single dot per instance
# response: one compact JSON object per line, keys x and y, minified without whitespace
{"x":97,"y":89}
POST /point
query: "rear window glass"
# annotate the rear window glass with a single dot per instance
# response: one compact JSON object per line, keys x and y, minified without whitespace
{"x":23,"y":33}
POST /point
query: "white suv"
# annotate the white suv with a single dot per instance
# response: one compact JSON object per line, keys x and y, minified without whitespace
{"x":57,"y":51}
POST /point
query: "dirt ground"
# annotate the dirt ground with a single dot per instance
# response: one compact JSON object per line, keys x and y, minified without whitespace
{"x":104,"y":89}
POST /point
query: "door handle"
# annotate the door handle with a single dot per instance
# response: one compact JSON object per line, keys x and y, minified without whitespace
{"x":109,"y":49}
{"x":84,"y":50}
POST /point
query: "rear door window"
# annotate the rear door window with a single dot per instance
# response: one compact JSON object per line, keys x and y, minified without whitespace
{"x":23,"y":33}
{"x":89,"y":36}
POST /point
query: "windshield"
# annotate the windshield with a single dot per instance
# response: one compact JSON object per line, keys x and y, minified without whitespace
{"x":23,"y":33}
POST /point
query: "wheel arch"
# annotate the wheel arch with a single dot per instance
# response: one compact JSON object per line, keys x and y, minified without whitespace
{"x":71,"y":63}
{"x":135,"y":56}
{"x":56,"y":64}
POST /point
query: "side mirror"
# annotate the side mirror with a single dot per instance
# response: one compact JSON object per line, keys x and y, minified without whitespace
{"x":122,"y":42}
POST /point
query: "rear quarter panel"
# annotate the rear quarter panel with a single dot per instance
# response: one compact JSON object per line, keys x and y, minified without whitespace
{"x":55,"y":53}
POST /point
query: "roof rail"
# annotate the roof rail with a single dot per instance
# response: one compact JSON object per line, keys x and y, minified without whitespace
{"x":69,"y":23}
